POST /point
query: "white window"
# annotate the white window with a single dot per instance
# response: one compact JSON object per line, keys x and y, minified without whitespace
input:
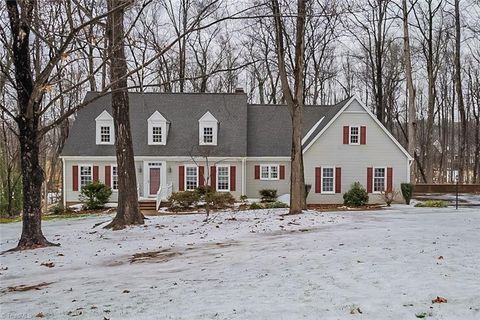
{"x":114,"y":178}
{"x":328,"y":180}
{"x":379,"y":179}
{"x":157,"y":134}
{"x":104,"y":134}
{"x":354,"y":135}
{"x":223,"y":178}
{"x":191,"y":177}
{"x":86,"y":175}
{"x":269,"y":172}
{"x":157,"y":129}
{"x":207,"y":135}
{"x":208,"y":130}
{"x":104,"y":129}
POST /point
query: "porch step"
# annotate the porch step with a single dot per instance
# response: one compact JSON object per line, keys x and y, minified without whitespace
{"x":147,"y":205}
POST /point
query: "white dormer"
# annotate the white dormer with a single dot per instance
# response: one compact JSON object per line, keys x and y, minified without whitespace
{"x":207,"y":130}
{"x":104,"y":129}
{"x":157,"y":129}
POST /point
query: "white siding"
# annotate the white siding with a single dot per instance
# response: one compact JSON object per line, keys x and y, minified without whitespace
{"x":329,"y":150}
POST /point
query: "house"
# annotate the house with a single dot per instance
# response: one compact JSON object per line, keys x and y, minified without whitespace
{"x":183,"y":140}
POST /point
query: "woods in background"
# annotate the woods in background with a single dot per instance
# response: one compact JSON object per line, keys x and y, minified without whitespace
{"x":426,"y":89}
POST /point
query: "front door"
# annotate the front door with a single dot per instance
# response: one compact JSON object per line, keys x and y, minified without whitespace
{"x":154,"y":180}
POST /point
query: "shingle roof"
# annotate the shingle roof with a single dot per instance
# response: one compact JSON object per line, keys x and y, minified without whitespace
{"x":270,"y":129}
{"x":253,"y":130}
{"x":183,"y":112}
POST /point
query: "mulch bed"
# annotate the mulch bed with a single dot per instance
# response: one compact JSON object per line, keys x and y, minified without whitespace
{"x":339,"y":207}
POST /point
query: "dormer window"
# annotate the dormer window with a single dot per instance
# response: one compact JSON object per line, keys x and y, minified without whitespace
{"x":208,"y":129}
{"x":104,"y":129}
{"x":157,"y":129}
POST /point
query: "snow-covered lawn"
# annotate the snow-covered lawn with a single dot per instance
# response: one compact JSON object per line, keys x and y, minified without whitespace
{"x":387,"y":264}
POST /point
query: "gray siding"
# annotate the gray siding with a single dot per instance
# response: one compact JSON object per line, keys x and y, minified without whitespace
{"x":255,"y":185}
{"x":329,"y":150}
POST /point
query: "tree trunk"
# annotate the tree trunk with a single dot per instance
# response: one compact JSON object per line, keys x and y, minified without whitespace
{"x":28,"y":122}
{"x":412,"y":110}
{"x":128,"y":211}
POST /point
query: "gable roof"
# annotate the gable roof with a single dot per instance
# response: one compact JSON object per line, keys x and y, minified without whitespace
{"x":182,"y":111}
{"x":345,"y":105}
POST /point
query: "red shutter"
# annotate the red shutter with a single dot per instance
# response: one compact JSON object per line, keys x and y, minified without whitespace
{"x":201,"y":175}
{"x":181,"y":178}
{"x":282,"y":172}
{"x":389,"y":179}
{"x":369,"y":179}
{"x":75,"y":178}
{"x":233,"y":178}
{"x":338,"y":180}
{"x":257,"y":172}
{"x":363,"y":135}
{"x":213,"y":177}
{"x":346,"y":133}
{"x":95,"y":173}
{"x":108,"y":177}
{"x":318,"y":179}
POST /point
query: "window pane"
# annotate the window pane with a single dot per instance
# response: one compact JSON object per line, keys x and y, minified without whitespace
{"x":105,"y":134}
{"x":190,"y":178}
{"x":379,"y":180}
{"x":273,"y":172}
{"x":353,"y":134}
{"x":327,"y":179}
{"x":208,"y":135}
{"x":85,"y":175}
{"x":265,"y":172}
{"x":157,"y":134}
{"x":223,"y":179}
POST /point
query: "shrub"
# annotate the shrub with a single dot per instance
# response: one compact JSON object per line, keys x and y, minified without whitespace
{"x":221,"y":200}
{"x":268,"y":195}
{"x":355,"y":197}
{"x":432,"y":204}
{"x":255,"y":206}
{"x":243,"y":198}
{"x":203,"y":190}
{"x":276,"y":204}
{"x":389,"y":196}
{"x":94,"y":195}
{"x":184,"y":199}
{"x":407,"y":191}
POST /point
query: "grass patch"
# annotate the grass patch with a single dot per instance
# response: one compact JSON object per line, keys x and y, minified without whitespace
{"x":432,"y":204}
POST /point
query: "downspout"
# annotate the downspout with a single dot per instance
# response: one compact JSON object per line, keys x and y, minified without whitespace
{"x":64,"y":194}
{"x":244,"y":175}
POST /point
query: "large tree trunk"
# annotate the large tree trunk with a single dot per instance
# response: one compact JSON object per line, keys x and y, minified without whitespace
{"x":412,"y":110}
{"x":294,"y":100}
{"x":128,"y":211}
{"x":28,"y":122}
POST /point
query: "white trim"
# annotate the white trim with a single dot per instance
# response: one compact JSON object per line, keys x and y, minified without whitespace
{"x":385,"y":182}
{"x":216,"y":177}
{"x":270,"y":165}
{"x":354,"y":111}
{"x":321,"y":179}
{"x":185,"y":166}
{"x":350,"y":135}
{"x":104,"y":120}
{"x":312,"y":130}
{"x":207,"y":121}
{"x":146,"y":174}
{"x":157,"y":120}
{"x":370,"y":114}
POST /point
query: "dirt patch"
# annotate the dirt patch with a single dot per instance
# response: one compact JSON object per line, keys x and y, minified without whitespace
{"x":154,"y":256}
{"x":339,"y":207}
{"x":24,"y":287}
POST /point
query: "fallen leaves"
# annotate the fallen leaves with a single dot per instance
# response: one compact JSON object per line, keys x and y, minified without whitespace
{"x":23,"y":287}
{"x":39,"y":315}
{"x":439,"y":299}
{"x":49,"y":264}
